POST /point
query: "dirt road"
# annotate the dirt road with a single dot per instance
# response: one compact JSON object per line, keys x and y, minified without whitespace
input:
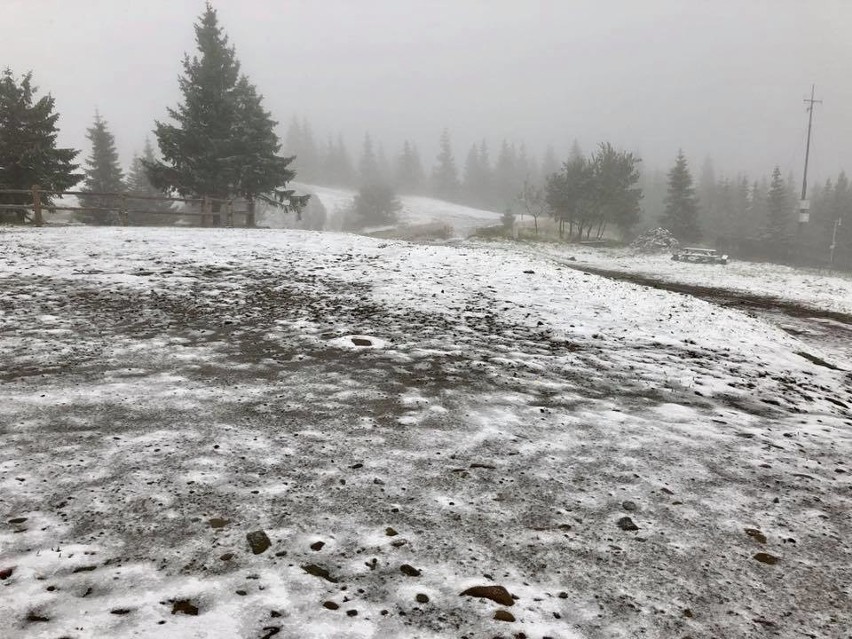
{"x":826,"y":330}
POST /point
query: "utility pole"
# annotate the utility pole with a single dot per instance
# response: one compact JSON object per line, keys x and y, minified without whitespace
{"x":804,"y":204}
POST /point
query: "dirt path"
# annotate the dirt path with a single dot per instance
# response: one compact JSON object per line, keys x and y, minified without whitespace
{"x":830,"y":331}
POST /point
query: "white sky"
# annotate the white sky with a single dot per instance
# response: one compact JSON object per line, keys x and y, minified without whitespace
{"x":723,"y":78}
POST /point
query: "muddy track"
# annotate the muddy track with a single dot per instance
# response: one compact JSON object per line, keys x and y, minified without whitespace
{"x":828,"y":330}
{"x":721,"y":296}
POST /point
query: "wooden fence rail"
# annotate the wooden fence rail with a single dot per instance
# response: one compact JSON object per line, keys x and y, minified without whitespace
{"x":212,"y":209}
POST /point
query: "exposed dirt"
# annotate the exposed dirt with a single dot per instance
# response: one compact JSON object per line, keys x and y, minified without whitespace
{"x":146,"y":431}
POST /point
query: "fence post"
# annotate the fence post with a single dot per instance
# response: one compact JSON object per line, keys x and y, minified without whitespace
{"x":250,"y":221}
{"x":122,"y":209}
{"x":38,"y":220}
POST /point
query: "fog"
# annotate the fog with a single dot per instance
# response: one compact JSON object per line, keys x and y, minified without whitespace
{"x":723,"y":79}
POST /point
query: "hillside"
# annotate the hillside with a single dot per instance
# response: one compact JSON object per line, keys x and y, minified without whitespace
{"x":416,"y":210}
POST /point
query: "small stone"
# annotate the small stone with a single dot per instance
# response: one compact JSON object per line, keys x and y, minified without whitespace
{"x":629,"y":506}
{"x":409,"y":571}
{"x":755,"y":534}
{"x":184,"y":606}
{"x":318,"y":571}
{"x":258,"y":541}
{"x":33,"y":616}
{"x":563,"y":595}
{"x":241,"y":593}
{"x":625,"y":523}
{"x":497,"y":594}
{"x":120,"y":611}
{"x":330,"y":605}
{"x":390,"y":532}
{"x":766,"y":558}
{"x":17,"y":520}
{"x":421,"y":598}
{"x":352,"y":613}
{"x":80,"y":569}
{"x":5,"y":573}
{"x":227,"y":556}
{"x":218,"y":522}
{"x":274,"y":614}
{"x":317,"y":546}
{"x":504,"y":615}
{"x":378,"y":482}
{"x":687,"y":613}
{"x":360,"y":341}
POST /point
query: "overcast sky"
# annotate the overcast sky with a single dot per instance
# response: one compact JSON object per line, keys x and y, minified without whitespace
{"x":724,"y":78}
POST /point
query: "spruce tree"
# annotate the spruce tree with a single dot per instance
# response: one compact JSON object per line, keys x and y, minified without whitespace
{"x":375,"y":205}
{"x":223,"y":143}
{"x":299,"y":141}
{"x":470,"y":181}
{"x":445,"y":177}
{"x":506,"y":180}
{"x":368,"y":165}
{"x":478,"y":182}
{"x":103,"y":175}
{"x":779,"y":218}
{"x":409,"y":170}
{"x":139,"y":184}
{"x":549,"y":164}
{"x":681,"y":205}
{"x":336,"y":164}
{"x":28,"y":152}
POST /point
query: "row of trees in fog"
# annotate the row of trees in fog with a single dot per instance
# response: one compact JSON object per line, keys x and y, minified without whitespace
{"x":480,"y":181}
{"x":752,"y":218}
{"x":220,"y":142}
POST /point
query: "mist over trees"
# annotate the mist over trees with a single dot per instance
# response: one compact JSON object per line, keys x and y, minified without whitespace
{"x":221,"y":142}
{"x":138,"y":184}
{"x":445,"y":183}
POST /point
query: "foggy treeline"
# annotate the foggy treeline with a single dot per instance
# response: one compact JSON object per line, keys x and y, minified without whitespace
{"x":604,"y":193}
{"x":753,"y":217}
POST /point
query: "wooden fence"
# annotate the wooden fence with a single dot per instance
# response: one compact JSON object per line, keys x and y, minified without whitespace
{"x":211,"y":211}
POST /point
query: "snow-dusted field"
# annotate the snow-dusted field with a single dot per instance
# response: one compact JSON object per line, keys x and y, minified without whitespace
{"x":416,"y":210}
{"x":404,"y":422}
{"x":817,"y":289}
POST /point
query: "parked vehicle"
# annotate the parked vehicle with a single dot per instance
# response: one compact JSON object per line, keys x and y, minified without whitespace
{"x":700,"y":255}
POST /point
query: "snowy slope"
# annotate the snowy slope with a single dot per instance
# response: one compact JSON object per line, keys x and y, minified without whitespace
{"x":416,"y":210}
{"x":831,"y":291}
{"x":167,"y":391}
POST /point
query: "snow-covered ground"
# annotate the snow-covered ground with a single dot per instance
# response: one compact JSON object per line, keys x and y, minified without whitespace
{"x":404,"y":422}
{"x":818,"y":289}
{"x":416,"y":210}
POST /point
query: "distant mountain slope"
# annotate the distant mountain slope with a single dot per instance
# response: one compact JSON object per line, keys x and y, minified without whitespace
{"x":416,"y":210}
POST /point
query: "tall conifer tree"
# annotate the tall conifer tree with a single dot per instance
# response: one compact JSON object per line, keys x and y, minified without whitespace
{"x":223,"y":143}
{"x":445,"y":176}
{"x":139,"y":184}
{"x":28,"y":152}
{"x":681,"y":213}
{"x":779,"y":217}
{"x":103,"y":175}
